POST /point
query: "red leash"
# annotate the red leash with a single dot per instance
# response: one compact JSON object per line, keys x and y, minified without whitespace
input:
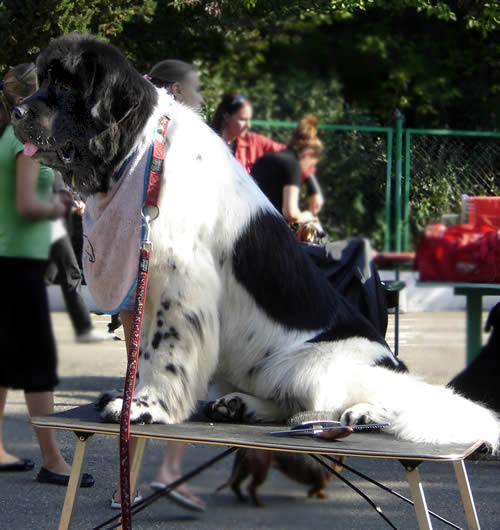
{"x":152,"y":194}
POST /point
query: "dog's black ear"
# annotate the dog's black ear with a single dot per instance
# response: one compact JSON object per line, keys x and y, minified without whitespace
{"x":103,"y":90}
{"x":493,"y":320}
{"x":110,"y":90}
{"x":89,"y":69}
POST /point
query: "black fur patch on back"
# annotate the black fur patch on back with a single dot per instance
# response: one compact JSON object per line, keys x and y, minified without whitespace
{"x":388,"y":363}
{"x":286,"y":284}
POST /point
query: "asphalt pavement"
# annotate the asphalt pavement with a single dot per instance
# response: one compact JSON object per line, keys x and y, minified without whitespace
{"x":431,"y":343}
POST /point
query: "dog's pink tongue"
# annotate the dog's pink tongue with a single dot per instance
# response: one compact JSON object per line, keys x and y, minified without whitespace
{"x":30,"y":149}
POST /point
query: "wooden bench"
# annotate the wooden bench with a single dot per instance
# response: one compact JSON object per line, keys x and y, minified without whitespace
{"x":474,"y":293}
{"x":85,"y":422}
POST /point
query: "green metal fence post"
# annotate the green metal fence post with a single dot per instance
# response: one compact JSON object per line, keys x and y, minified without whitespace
{"x":399,"y":157}
{"x":406,"y":198}
{"x":388,"y":193}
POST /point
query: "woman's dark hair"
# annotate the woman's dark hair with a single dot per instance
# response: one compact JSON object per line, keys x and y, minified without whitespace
{"x":164,"y":73}
{"x":20,"y":81}
{"x":229,"y":104}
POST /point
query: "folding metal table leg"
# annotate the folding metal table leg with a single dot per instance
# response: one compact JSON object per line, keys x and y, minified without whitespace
{"x":136,"y":463}
{"x":74,"y":480}
{"x":417,"y":494}
{"x":466,"y":494}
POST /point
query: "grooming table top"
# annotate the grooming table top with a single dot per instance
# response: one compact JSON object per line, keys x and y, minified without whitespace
{"x":85,"y":419}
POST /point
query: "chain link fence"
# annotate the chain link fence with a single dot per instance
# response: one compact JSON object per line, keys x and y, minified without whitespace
{"x":442,"y":167}
{"x":378,"y":188}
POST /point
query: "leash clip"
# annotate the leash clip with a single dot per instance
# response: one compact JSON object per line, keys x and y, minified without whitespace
{"x":148,"y":218}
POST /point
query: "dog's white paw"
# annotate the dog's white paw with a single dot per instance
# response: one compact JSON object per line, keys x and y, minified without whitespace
{"x":229,"y":408}
{"x":142,"y":410}
{"x":364,"y":413}
{"x":239,"y":407}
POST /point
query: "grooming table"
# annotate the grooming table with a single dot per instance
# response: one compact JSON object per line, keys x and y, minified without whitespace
{"x":85,"y":422}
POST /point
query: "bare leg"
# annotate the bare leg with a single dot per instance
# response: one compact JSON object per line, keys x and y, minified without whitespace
{"x":41,"y":404}
{"x":5,"y":456}
{"x":127,"y":318}
{"x":171,"y":469}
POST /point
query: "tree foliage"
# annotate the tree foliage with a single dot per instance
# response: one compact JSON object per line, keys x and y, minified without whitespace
{"x":348,"y":61}
{"x":436,"y":60}
{"x":28,"y":26}
{"x":432,"y":59}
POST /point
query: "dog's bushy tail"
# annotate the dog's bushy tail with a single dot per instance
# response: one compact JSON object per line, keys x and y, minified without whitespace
{"x":421,"y":412}
{"x":417,"y":411}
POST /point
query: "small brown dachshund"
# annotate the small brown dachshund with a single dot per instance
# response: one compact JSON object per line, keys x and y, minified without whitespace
{"x":296,"y":466}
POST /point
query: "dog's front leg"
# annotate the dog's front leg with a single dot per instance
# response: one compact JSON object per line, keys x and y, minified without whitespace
{"x":179,"y":348}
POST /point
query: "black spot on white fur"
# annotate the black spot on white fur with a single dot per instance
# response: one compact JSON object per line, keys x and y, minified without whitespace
{"x":389,"y":363}
{"x":165,"y":304}
{"x":194,"y":321}
{"x":172,"y":332}
{"x":156,"y":340}
{"x":145,"y":417}
{"x":171,"y":368}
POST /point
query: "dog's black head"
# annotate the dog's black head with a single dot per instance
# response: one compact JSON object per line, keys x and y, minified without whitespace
{"x":86,"y":115}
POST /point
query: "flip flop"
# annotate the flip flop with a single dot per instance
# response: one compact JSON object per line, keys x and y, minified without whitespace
{"x":178,"y":498}
{"x":25,"y":464}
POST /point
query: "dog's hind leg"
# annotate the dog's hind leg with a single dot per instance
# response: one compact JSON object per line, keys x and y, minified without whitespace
{"x":240,"y":407}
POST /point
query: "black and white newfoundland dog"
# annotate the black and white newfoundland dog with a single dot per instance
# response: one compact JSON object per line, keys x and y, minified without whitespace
{"x":231,"y":293}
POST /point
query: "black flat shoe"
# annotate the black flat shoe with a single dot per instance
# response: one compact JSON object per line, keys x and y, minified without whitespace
{"x":47,"y":477}
{"x":24,"y":464}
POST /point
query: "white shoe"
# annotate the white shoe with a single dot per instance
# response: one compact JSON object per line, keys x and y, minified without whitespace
{"x":94,"y":335}
{"x":117,"y":505}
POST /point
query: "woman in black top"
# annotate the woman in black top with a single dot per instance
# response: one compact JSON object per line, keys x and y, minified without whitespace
{"x":348,"y":264}
{"x":279,"y":174}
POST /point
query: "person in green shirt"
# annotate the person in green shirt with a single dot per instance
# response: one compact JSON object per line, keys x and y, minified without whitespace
{"x":28,"y":356}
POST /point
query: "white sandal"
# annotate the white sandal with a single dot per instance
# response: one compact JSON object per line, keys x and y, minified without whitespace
{"x":115,"y":505}
{"x":179,"y":498}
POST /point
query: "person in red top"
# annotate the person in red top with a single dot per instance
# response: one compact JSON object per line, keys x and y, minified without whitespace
{"x":232,"y":122}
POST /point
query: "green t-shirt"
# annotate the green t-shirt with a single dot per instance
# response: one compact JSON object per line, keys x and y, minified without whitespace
{"x":21,"y":237}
